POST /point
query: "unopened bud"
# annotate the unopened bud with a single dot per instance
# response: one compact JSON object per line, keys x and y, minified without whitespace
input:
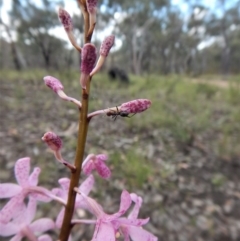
{"x":88,"y":59}
{"x":53,"y":141}
{"x":92,"y":10}
{"x":53,"y":83}
{"x":92,"y":6}
{"x":104,"y":51}
{"x":107,"y":45}
{"x":65,"y":19}
{"x":57,"y":87}
{"x":135,"y":106}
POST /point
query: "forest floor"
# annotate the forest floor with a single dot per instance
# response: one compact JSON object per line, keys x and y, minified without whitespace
{"x":182,"y":155}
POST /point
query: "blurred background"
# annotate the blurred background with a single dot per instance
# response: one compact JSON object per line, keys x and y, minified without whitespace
{"x":182,"y":155}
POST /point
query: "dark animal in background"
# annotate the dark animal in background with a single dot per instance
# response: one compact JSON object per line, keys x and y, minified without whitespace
{"x":115,"y":73}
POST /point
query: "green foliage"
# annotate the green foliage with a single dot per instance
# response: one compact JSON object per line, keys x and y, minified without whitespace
{"x":136,"y":169}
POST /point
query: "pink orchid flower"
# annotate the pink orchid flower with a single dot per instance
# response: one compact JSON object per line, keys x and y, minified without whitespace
{"x":108,"y":227}
{"x":22,"y":226}
{"x":132,"y":226}
{"x":96,"y":162}
{"x":27,"y":187}
{"x":62,"y":192}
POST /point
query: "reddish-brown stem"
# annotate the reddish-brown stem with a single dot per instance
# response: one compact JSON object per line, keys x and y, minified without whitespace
{"x":83,"y":6}
{"x":82,"y":135}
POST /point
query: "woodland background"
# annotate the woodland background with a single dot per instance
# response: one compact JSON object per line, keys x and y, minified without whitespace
{"x":182,"y":155}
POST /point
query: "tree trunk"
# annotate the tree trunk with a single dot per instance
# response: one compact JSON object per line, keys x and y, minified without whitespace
{"x":13,"y":48}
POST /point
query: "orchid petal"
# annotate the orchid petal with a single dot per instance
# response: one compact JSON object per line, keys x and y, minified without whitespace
{"x":10,"y":208}
{"x":33,"y":178}
{"x":19,"y":216}
{"x":138,"y":203}
{"x":104,"y":231}
{"x":41,"y":225}
{"x":102,"y":157}
{"x":31,"y":210}
{"x":88,"y":167}
{"x":87,"y":185}
{"x":41,"y":197}
{"x":85,"y":188}
{"x":22,"y":168}
{"x":8,"y":229}
{"x":102,"y":169}
{"x":64,"y":183}
{"x":124,"y":205}
{"x":56,"y":191}
{"x":9,"y":190}
{"x":17,"y":237}
{"x":139,"y":234}
{"x":93,"y":206}
{"x":133,"y":222}
{"x":60,"y":218}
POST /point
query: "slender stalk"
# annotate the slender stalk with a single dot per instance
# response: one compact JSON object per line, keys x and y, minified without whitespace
{"x":83,"y":7}
{"x":82,"y":135}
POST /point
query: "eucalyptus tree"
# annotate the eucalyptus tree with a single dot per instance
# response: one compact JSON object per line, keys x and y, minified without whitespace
{"x":34,"y":23}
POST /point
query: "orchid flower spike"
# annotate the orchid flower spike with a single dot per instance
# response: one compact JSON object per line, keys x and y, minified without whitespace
{"x":104,"y":51}
{"x":55,"y":84}
{"x":88,"y":59}
{"x":92,"y":10}
{"x":66,"y":21}
{"x":97,"y":163}
{"x":54,"y":142}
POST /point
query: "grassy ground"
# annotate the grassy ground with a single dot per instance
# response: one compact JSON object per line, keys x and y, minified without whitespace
{"x":182,"y":155}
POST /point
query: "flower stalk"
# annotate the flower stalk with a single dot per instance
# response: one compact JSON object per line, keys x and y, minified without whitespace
{"x":82,"y":136}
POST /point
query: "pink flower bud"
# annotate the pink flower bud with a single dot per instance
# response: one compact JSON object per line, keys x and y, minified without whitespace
{"x":65,"y":19}
{"x":107,"y":45}
{"x":55,"y":144}
{"x":135,"y":106}
{"x":57,"y":87}
{"x":53,"y":83}
{"x":53,"y":141}
{"x":104,"y":50}
{"x":88,"y":57}
{"x":92,"y":6}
